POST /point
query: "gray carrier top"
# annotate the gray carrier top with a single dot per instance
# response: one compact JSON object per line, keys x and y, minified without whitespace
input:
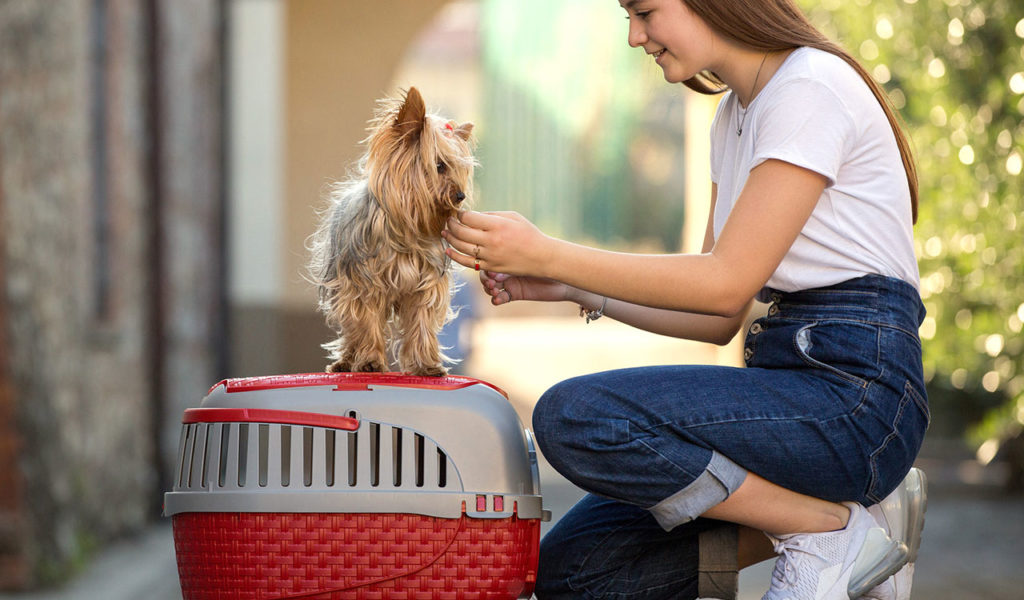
{"x":357,"y":443}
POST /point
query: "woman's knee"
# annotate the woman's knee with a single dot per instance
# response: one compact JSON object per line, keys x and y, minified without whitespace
{"x":563,"y":423}
{"x":554,"y":410}
{"x":569,"y":410}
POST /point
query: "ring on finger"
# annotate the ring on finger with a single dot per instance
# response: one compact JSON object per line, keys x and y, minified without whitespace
{"x":507,"y":293}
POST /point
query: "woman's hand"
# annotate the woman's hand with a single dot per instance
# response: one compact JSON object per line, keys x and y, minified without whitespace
{"x":508,"y":251}
{"x":500,"y":242}
{"x":504,"y":288}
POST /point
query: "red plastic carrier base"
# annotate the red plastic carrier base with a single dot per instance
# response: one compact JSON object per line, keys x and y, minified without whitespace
{"x":365,"y":556}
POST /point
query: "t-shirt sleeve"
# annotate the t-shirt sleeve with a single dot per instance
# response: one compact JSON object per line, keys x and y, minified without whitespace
{"x":807,"y":125}
{"x":716,"y":124}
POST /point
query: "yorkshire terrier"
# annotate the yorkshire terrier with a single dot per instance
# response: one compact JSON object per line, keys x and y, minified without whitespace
{"x":378,"y":259}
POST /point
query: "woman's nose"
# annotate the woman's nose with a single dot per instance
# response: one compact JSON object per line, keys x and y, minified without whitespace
{"x":637,"y":35}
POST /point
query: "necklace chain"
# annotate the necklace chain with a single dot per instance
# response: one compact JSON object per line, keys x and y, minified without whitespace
{"x":743,"y":111}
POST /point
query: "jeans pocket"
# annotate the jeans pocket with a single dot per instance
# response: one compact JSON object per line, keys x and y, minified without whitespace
{"x":920,"y":401}
{"x":847,"y":349}
{"x":895,"y":455}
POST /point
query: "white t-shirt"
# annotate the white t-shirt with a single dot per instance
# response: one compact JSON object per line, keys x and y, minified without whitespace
{"x":817,"y":113}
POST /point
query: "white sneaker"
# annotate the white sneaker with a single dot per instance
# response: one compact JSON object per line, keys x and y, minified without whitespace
{"x":818,"y":566}
{"x":901,"y":515}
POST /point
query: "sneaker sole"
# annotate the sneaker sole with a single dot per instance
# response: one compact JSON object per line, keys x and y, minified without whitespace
{"x":917,"y":493}
{"x":889,"y":556}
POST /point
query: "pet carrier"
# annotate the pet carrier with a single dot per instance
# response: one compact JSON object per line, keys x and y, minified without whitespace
{"x":360,"y":486}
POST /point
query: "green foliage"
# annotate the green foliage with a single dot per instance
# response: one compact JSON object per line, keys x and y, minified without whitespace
{"x":955,"y":69}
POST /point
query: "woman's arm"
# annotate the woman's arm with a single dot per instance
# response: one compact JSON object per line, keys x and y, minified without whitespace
{"x":704,"y":328}
{"x":776,"y":202}
{"x":686,"y":325}
{"x":674,"y":323}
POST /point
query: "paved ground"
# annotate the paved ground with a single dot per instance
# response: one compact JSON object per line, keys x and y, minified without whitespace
{"x":972,"y":541}
{"x":971,"y":550}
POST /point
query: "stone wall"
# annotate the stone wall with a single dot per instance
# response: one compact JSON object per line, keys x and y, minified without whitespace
{"x":13,"y":566}
{"x":111,"y":259}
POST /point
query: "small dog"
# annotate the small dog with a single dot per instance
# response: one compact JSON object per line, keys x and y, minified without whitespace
{"x":378,"y":260}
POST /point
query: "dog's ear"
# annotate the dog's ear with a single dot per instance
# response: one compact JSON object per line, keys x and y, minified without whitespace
{"x":464,"y":131}
{"x":411,"y":116}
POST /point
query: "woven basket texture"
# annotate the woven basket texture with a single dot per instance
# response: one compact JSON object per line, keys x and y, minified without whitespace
{"x":366,"y":556}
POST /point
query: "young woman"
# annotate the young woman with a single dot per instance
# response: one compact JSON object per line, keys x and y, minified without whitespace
{"x":813,"y":202}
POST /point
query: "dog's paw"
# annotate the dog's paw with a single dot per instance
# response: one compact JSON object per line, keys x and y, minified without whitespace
{"x":371,"y":367}
{"x":426,"y":371}
{"x":339,"y":366}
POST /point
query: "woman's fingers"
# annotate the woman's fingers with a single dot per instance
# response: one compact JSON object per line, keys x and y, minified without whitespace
{"x":457,"y":244}
{"x":487,"y":240}
{"x":484,"y":220}
{"x":467,"y":238}
{"x":462,"y":233}
{"x":499,"y":294}
{"x":463,"y":259}
{"x":464,"y":243}
{"x":494,"y":286}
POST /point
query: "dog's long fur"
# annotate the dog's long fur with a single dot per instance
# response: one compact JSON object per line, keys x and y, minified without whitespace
{"x":378,"y":260}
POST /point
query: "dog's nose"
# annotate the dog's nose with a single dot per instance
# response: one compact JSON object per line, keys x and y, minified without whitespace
{"x":459,"y":197}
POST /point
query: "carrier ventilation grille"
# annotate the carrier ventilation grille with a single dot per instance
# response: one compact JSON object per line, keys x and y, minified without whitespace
{"x":275,"y":456}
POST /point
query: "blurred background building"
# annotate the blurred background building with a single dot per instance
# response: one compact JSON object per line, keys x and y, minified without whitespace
{"x":113,"y":310}
{"x":162,"y":163}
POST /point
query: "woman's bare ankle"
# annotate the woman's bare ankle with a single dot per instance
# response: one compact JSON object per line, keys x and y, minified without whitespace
{"x":840,"y":517}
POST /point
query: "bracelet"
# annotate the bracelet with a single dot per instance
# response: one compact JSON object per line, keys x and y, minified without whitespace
{"x":593,"y":315}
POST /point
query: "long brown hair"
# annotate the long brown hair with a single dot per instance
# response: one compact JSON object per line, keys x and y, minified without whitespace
{"x":775,"y":25}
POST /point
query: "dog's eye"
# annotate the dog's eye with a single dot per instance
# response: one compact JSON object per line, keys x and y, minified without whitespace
{"x":441,"y":168}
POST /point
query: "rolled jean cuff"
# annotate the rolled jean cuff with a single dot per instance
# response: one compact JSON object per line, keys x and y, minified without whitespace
{"x":718,"y":481}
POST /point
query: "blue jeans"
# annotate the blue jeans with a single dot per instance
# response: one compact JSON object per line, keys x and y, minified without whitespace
{"x":831,"y":404}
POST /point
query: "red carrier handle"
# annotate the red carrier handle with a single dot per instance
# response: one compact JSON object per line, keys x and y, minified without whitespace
{"x":351,"y":382}
{"x":266,"y":415}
